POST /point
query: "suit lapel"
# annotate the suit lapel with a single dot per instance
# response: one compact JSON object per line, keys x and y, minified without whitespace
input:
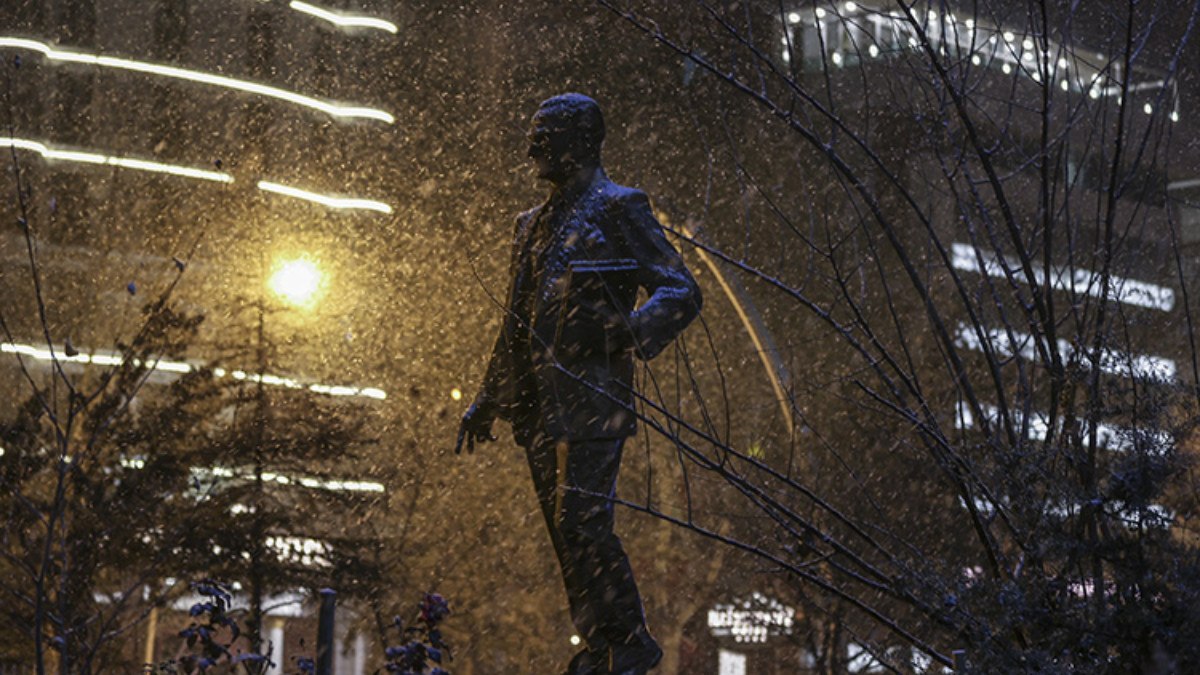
{"x":526,"y":231}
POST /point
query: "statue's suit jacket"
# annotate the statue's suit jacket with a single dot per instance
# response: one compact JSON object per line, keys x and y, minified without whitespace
{"x":564,"y":358}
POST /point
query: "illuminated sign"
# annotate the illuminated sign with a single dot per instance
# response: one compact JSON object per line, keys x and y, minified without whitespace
{"x":752,"y":620}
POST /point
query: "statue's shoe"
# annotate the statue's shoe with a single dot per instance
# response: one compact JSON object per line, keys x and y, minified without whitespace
{"x":584,"y":663}
{"x":635,"y":659}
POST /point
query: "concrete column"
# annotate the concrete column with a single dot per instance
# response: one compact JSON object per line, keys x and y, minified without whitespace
{"x":277,"y":656}
{"x":731,"y":663}
{"x":360,"y":654}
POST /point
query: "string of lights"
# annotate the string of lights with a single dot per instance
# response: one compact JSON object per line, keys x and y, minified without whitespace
{"x":849,"y":31}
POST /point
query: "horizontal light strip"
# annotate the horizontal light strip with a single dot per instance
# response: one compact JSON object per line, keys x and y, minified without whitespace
{"x":206,"y":474}
{"x":290,"y":604}
{"x":331,"y":109}
{"x":325,"y":200}
{"x":1153,"y":515}
{"x":322,"y":484}
{"x":1183,"y":184}
{"x":187,"y":172}
{"x":1107,"y":436}
{"x":342,"y":20}
{"x":1110,"y":437}
{"x":123,"y":162}
{"x":1129,"y":291}
{"x":181,"y":367}
{"x":1112,"y":362}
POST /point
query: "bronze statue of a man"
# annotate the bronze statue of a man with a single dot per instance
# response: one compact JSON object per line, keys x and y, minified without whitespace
{"x":562,"y":368}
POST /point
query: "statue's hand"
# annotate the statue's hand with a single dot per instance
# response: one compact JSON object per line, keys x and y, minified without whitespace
{"x":476,"y":424}
{"x":620,"y":336}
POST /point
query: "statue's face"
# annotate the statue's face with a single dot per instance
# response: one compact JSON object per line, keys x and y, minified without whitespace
{"x":551,"y":141}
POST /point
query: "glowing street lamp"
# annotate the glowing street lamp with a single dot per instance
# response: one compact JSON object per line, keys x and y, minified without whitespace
{"x":297,"y":281}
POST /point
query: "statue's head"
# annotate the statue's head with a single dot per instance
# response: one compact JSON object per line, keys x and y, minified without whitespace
{"x":566,"y":136}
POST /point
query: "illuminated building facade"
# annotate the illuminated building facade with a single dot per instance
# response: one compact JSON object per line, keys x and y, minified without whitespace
{"x":827,"y":46}
{"x":143,"y":128}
